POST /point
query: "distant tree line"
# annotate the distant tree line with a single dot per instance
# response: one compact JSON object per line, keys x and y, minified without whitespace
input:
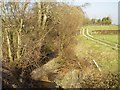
{"x":102,"y":21}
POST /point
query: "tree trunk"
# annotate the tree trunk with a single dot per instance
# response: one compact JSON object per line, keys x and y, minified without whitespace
{"x":39,"y":14}
{"x":9,"y":46}
{"x":19,"y":40}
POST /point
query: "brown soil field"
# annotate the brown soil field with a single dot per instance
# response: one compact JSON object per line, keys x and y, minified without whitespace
{"x":106,"y":31}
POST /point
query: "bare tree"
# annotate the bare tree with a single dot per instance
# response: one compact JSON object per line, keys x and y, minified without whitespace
{"x":13,"y":18}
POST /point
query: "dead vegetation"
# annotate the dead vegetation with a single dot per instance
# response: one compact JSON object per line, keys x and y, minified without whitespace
{"x":39,"y":41}
{"x":33,"y":34}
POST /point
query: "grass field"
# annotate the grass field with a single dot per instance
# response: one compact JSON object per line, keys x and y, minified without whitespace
{"x":106,"y":57}
{"x":110,"y":38}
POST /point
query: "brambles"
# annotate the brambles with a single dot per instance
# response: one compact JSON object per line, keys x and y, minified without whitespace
{"x":35,"y":33}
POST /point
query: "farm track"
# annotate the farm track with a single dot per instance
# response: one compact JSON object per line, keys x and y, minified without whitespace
{"x":106,"y":43}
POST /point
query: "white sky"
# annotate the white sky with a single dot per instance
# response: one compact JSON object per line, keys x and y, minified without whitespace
{"x":99,"y":9}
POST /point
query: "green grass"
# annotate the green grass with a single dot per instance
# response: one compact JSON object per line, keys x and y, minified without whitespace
{"x":107,"y":37}
{"x":106,"y":57}
{"x":110,"y":38}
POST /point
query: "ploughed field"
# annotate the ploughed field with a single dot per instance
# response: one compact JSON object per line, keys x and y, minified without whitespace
{"x":106,"y":31}
{"x":104,"y":27}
